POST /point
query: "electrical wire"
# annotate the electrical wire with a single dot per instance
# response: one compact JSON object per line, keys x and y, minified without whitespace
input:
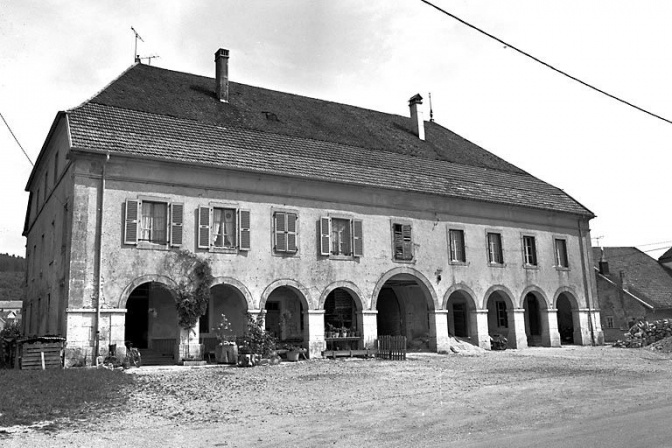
{"x":524,"y":53}
{"x":16,"y":139}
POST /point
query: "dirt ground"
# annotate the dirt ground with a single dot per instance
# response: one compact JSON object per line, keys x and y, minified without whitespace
{"x":427,"y":400}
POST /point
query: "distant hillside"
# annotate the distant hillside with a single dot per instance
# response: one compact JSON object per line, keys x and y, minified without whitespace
{"x":12,"y":275}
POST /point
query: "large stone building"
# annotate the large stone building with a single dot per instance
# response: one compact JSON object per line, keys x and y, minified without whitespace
{"x":321,"y":214}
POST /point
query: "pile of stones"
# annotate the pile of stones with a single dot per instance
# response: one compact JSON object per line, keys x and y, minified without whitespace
{"x":644,"y":333}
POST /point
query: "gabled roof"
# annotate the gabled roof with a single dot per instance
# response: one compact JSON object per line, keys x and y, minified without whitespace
{"x":666,"y":257}
{"x":157,"y":113}
{"x":646,"y":278}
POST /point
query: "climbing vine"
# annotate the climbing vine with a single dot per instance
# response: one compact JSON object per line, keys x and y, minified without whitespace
{"x":193,"y":294}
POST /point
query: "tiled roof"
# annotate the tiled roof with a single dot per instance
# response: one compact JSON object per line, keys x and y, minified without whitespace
{"x":646,"y":278}
{"x":170,"y":115}
{"x":667,"y":256}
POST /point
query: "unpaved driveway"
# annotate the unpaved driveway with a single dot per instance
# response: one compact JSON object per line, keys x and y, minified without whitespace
{"x":428,"y":400}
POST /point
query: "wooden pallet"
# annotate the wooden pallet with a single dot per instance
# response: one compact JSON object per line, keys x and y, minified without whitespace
{"x":349,"y":353}
{"x":40,"y":356}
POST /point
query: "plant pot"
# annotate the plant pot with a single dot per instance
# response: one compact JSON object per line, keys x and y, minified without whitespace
{"x":226,"y":354}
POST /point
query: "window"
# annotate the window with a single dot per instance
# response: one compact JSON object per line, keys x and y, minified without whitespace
{"x":341,"y":237}
{"x":495,"y":255}
{"x":402,"y":240}
{"x":284,"y":232}
{"x":610,"y":321}
{"x":502,"y":317}
{"x":223,"y":228}
{"x":153,"y":222}
{"x":457,"y":252}
{"x":561,"y":259}
{"x":529,"y":251}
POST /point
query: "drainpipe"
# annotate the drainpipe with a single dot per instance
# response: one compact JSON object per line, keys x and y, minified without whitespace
{"x":99,"y":259}
{"x":585,"y":285}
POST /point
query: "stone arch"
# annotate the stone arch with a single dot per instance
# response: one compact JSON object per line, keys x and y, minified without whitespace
{"x":463,"y":288}
{"x":230,"y":281}
{"x":354,"y":291}
{"x":432,"y":301}
{"x":538,"y":293}
{"x":569,"y":293}
{"x":156,"y":278}
{"x":300,"y":290}
{"x":505,"y":292}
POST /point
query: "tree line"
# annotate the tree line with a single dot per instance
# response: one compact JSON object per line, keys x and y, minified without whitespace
{"x":12,"y":263}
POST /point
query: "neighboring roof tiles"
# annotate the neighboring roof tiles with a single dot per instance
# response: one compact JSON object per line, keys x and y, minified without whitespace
{"x":160,"y":113}
{"x":646,"y":278}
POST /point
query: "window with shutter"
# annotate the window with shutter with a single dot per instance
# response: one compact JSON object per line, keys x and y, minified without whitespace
{"x":203,"y":227}
{"x":284,"y":228}
{"x":402,"y":241}
{"x":457,"y":252}
{"x":176,"y":220}
{"x":358,"y":238}
{"x":325,"y":236}
{"x":291,"y":232}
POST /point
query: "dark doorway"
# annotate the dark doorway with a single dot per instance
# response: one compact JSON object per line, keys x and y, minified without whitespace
{"x":460,"y":320}
{"x":565,"y":320}
{"x":137,"y":311}
{"x":389,"y":313}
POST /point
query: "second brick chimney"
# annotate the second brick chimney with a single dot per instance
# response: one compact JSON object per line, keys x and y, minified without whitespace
{"x":222,"y":75}
{"x":417,"y":123}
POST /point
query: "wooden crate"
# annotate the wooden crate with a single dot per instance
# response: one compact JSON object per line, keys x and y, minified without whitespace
{"x":41,"y":355}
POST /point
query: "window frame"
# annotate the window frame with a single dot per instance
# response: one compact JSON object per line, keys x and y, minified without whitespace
{"x":325,"y":244}
{"x":609,"y":322}
{"x":278,"y":247}
{"x":451,"y":251}
{"x":491,"y":256}
{"x":530,"y":260}
{"x":501,"y":314}
{"x":132,"y":223}
{"x":402,"y":238}
{"x":558,"y":262}
{"x":242,"y":230}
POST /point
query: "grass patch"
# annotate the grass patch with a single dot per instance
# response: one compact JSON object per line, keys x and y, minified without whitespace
{"x":30,"y":396}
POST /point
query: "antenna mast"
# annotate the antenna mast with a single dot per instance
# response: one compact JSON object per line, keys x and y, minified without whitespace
{"x":431,"y":111}
{"x":136,"y":56}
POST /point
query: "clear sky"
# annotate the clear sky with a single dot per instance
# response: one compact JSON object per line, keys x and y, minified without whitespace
{"x":377,"y":54}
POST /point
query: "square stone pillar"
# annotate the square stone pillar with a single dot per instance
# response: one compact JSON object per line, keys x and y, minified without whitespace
{"x":313,"y":320}
{"x":438,"y":331}
{"x":188,"y":345}
{"x":550,"y":336}
{"x":517,"y":336}
{"x":369,"y":328}
{"x":478,"y":328}
{"x":582,"y":327}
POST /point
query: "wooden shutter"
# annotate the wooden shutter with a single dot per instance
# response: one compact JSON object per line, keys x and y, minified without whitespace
{"x":357,"y":238}
{"x":204,"y":227}
{"x":406,"y":242}
{"x":176,"y":219}
{"x":325,"y":236}
{"x":244,"y":229}
{"x":280,"y":232}
{"x":132,"y":221}
{"x":291,"y":232}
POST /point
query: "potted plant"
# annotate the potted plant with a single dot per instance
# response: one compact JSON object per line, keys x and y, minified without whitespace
{"x":226,"y":351}
{"x":257,"y":343}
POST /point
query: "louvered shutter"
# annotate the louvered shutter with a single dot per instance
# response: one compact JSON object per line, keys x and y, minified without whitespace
{"x":407,"y":241}
{"x":132,"y":221}
{"x":204,"y":227}
{"x":176,"y":220}
{"x":291,"y":232}
{"x":244,"y":229}
{"x":357,"y":237}
{"x":325,"y":236}
{"x":280,"y":232}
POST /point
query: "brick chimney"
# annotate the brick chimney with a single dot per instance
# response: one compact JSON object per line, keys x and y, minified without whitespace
{"x":624,"y":281}
{"x":417,"y":122}
{"x":222,"y":75}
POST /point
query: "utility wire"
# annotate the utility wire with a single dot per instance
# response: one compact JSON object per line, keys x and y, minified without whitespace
{"x":590,"y":86}
{"x":16,"y":139}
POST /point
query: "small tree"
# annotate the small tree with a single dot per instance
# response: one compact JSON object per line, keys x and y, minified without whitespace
{"x":257,"y":340}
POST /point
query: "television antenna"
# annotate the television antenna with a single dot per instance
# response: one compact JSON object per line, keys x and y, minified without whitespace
{"x":149,"y":58}
{"x":136,"y":56}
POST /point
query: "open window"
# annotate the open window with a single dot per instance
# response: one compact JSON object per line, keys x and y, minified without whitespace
{"x":223,"y":228}
{"x":341,"y":237}
{"x":402,"y":241}
{"x":153,"y":222}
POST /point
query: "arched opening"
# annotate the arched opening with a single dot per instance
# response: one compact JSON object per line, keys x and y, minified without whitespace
{"x":403,"y":310}
{"x":151,"y":319}
{"x":565,"y":319}
{"x":284,"y":315}
{"x":459,"y":306}
{"x":229,"y":301}
{"x":499,"y":322}
{"x":340,"y":313}
{"x":533,"y":321}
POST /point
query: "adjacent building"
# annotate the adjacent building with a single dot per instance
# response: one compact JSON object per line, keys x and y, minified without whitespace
{"x":317,"y":214}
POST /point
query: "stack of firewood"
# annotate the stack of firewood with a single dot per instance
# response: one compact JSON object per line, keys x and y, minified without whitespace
{"x":644,"y":333}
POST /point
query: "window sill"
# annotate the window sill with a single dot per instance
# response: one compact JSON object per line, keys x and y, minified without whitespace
{"x":561,"y":268}
{"x":497,"y":265}
{"x":223,"y":250}
{"x":458,"y":263}
{"x":144,"y":245}
{"x":398,"y":260}
{"x":286,"y":254}
{"x":531,"y":267}
{"x":342,"y":257}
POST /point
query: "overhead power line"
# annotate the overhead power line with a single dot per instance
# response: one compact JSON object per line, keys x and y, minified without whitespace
{"x":524,"y":53}
{"x":16,"y":139}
